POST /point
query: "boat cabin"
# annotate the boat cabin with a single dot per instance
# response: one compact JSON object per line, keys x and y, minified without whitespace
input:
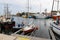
{"x":56,"y":16}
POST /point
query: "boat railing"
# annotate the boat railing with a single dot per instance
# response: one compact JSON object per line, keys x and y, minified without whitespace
{"x":52,"y":36}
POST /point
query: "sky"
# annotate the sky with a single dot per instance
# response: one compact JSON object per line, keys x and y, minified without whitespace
{"x":22,"y":5}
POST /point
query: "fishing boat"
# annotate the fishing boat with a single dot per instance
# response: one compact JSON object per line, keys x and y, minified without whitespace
{"x":6,"y":22}
{"x":55,"y":25}
{"x":7,"y":18}
{"x":29,"y":28}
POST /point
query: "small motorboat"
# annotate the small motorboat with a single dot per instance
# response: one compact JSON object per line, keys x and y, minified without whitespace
{"x":7,"y":24}
{"x":55,"y":25}
{"x":29,"y":28}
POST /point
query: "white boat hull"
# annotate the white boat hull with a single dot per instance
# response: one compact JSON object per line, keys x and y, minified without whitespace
{"x":55,"y":28}
{"x":40,"y":16}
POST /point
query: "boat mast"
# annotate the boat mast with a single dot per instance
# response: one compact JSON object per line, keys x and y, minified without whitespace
{"x":28,"y":7}
{"x":52,"y":7}
{"x":58,"y":6}
{"x":40,"y":8}
{"x":6,"y":11}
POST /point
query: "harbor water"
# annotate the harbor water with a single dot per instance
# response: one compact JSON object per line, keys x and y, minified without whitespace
{"x":42,"y":24}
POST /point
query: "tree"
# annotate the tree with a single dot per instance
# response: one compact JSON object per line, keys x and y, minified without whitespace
{"x":19,"y":14}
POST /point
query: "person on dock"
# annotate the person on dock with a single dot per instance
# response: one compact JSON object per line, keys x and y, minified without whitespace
{"x":22,"y":24}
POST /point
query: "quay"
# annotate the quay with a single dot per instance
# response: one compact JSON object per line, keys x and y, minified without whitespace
{"x":18,"y":37}
{"x":24,"y":37}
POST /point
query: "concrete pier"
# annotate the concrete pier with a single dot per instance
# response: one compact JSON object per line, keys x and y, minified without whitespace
{"x":19,"y":37}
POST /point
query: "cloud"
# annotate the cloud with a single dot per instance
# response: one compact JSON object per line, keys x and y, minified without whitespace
{"x":16,"y":2}
{"x":34,"y":4}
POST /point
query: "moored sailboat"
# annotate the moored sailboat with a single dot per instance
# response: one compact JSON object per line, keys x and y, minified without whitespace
{"x":6,"y":21}
{"x":55,"y":25}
